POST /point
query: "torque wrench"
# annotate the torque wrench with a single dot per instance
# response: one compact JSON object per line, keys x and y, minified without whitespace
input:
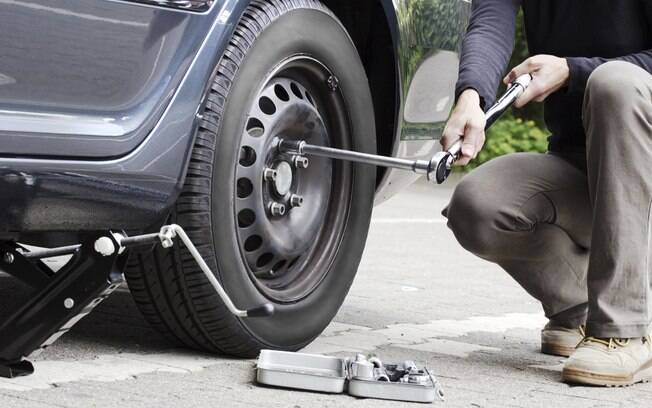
{"x":437,"y":169}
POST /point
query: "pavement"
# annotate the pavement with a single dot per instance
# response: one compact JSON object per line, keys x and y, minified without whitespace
{"x":418,"y":296}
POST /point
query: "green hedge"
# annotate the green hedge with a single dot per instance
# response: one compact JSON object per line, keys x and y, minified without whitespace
{"x":511,"y":135}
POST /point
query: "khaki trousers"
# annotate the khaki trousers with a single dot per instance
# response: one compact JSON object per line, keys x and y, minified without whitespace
{"x":575,"y":232}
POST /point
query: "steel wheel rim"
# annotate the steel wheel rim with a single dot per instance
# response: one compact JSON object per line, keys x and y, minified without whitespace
{"x":288,"y":255}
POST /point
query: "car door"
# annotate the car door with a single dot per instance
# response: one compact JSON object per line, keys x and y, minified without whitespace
{"x":89,"y":78}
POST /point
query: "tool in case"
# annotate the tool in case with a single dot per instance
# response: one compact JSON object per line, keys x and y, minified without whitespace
{"x":359,"y":377}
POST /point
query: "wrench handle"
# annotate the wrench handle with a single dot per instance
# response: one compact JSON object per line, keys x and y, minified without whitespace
{"x":455,"y":150}
{"x":442,"y":163}
{"x":510,"y":96}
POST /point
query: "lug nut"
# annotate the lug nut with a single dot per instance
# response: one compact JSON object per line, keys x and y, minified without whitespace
{"x":277,"y":209}
{"x":300,"y":162}
{"x":270,"y":174}
{"x":296,"y":200}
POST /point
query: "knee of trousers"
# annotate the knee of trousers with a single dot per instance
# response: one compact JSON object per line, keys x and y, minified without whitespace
{"x":472,"y":218}
{"x":612,"y":88}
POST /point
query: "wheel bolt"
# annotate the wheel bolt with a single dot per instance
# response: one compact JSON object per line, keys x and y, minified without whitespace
{"x":296,"y":200}
{"x":270,"y":174}
{"x":300,"y":162}
{"x":277,"y":209}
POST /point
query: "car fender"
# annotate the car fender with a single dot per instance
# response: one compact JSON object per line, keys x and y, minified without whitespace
{"x":428,"y":38}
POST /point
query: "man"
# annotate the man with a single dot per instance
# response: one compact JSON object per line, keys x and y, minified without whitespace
{"x":573,"y":227}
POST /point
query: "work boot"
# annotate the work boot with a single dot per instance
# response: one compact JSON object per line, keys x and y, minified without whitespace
{"x":560,"y":341}
{"x":610,"y":362}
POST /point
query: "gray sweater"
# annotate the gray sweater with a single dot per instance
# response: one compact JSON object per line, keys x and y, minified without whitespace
{"x":585,"y":32}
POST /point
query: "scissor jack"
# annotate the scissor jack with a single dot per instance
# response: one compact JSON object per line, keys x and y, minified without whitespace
{"x":93,"y":272}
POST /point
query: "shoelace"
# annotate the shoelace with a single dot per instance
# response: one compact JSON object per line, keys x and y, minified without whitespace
{"x":612,"y":343}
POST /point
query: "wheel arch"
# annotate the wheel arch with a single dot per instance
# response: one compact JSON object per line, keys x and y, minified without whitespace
{"x":373,"y":27}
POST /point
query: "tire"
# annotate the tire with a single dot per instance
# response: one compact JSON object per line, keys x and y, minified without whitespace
{"x":320,"y":60}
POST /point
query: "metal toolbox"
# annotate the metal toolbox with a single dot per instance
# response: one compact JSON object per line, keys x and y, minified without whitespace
{"x":303,"y":371}
{"x":366,"y":378}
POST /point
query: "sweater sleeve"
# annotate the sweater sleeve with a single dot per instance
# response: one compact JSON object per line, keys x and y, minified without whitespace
{"x":487,"y":47}
{"x":580,"y":68}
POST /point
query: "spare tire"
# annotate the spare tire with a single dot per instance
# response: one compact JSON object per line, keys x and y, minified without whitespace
{"x":290,"y":71}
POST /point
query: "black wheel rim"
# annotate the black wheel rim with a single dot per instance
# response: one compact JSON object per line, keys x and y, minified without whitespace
{"x":290,"y":218}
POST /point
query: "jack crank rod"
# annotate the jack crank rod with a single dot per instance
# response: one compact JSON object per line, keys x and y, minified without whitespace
{"x":437,"y":169}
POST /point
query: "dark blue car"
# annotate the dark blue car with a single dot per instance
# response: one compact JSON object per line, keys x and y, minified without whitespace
{"x":127,"y":115}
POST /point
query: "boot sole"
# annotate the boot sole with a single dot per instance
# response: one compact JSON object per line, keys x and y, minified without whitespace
{"x":574,"y":376}
{"x":556,"y":350}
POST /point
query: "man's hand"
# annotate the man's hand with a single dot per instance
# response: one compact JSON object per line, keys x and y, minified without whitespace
{"x":549,"y":74}
{"x":466,"y":122}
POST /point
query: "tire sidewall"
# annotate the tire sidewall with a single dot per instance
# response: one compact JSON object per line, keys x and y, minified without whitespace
{"x":318,"y":34}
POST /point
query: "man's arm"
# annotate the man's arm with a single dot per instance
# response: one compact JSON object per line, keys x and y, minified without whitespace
{"x":487,"y":47}
{"x":553,"y":73}
{"x":581,"y":68}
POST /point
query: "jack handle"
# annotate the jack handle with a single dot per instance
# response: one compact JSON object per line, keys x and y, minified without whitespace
{"x":442,"y":162}
{"x":167,"y":235}
{"x":166,"y":238}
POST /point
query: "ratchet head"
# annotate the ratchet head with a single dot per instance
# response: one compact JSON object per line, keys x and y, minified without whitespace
{"x":440,"y":167}
{"x":441,"y":163}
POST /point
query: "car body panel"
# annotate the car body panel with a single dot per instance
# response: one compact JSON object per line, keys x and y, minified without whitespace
{"x":112,"y":151}
{"x":97,"y":74}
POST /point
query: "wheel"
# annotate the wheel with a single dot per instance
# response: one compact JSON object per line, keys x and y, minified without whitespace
{"x":273,"y":227}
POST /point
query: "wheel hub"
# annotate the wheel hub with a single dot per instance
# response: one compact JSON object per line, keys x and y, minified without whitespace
{"x":284,"y":176}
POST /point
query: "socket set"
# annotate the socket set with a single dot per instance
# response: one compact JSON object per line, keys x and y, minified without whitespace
{"x":360,"y":376}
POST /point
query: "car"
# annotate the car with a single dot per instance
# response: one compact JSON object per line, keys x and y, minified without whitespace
{"x":126,"y":115}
